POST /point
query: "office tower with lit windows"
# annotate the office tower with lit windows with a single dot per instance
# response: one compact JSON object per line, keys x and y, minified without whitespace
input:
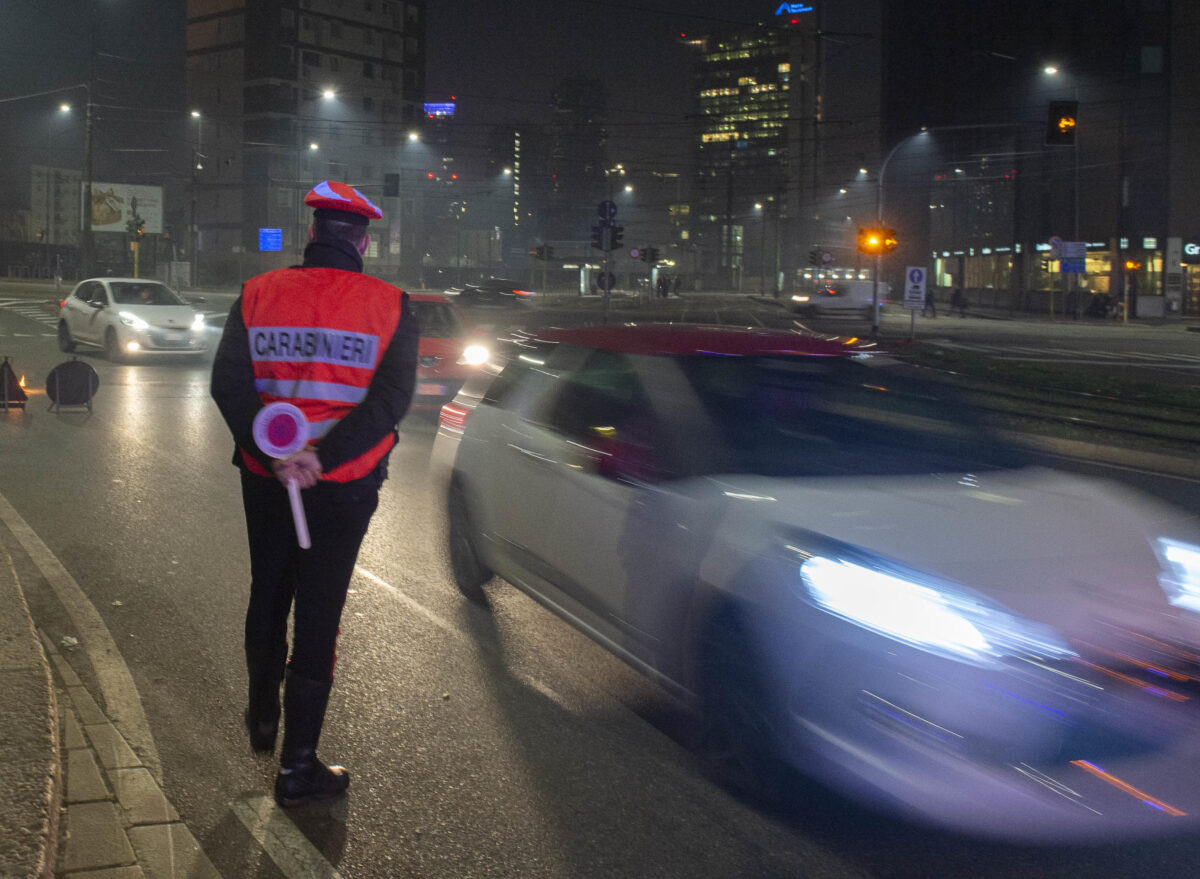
{"x":284,"y":94}
{"x":783,"y":120}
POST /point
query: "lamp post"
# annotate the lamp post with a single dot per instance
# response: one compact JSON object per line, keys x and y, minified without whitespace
{"x":197,"y":166}
{"x":879,"y":193}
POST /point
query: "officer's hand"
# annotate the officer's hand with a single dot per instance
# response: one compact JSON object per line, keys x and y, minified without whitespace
{"x":304,"y":467}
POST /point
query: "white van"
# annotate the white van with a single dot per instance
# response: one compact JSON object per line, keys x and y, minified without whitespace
{"x":841,"y":297}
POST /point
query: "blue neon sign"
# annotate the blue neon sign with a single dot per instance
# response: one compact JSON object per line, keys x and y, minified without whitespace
{"x":793,"y":8}
{"x":270,"y":239}
{"x":445,"y":108}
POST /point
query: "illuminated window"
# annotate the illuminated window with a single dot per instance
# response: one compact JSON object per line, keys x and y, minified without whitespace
{"x":784,"y":68}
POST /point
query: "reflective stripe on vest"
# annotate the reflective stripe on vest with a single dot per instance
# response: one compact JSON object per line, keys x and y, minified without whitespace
{"x":316,"y":336}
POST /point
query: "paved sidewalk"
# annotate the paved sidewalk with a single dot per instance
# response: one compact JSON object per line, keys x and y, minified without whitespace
{"x":78,"y":802}
{"x":30,"y":775}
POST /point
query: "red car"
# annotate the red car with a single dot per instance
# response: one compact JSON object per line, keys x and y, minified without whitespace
{"x":447,"y":354}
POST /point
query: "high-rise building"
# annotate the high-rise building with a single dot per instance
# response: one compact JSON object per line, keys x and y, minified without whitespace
{"x":284,"y":94}
{"x":783,"y":119}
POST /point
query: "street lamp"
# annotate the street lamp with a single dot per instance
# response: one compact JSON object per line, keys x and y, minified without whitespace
{"x":197,"y":165}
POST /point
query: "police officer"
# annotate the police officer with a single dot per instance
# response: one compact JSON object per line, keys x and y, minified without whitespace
{"x":342,"y":347}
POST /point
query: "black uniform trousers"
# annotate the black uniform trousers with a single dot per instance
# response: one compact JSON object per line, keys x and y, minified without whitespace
{"x":315,"y":580}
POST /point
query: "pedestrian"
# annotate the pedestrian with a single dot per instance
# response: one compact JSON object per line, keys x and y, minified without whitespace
{"x":929,"y":309}
{"x":958,"y":302}
{"x":342,"y":346}
{"x":675,"y":284}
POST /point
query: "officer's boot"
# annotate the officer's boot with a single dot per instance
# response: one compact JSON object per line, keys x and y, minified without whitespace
{"x":302,"y":777}
{"x":265,"y":670}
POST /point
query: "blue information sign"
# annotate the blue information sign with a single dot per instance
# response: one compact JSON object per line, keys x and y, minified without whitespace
{"x":270,"y":239}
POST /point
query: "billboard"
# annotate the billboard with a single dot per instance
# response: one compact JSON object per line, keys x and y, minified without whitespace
{"x":114,"y":204}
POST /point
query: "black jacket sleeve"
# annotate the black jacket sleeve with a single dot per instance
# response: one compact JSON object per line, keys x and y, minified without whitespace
{"x":233,"y":384}
{"x":388,"y":397}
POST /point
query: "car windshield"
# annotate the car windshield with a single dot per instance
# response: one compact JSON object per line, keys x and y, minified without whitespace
{"x":834,"y":417}
{"x":437,"y":320}
{"x":132,"y":293}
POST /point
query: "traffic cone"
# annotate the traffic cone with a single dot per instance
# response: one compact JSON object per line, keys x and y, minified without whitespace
{"x":10,"y":387}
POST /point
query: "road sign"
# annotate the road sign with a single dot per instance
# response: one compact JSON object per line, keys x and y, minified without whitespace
{"x":607,"y":210}
{"x":635,"y":253}
{"x":606,"y":280}
{"x":826,"y":257}
{"x":914,"y":287}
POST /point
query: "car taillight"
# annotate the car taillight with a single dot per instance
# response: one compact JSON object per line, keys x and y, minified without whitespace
{"x":62,"y":303}
{"x":523,"y":292}
{"x":453,"y":417}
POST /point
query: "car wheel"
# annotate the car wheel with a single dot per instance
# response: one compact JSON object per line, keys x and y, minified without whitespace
{"x":112,"y":346}
{"x":737,"y":738}
{"x":65,"y":342}
{"x":470,"y":573}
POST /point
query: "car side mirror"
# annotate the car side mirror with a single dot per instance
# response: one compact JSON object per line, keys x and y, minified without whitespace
{"x":96,"y":304}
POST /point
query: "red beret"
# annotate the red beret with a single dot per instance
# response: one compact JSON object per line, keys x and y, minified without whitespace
{"x":333,"y":196}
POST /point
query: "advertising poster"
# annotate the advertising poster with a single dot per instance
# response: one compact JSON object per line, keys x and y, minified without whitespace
{"x":114,"y":205}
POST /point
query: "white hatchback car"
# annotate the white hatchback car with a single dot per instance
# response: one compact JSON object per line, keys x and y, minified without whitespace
{"x":130,"y":317}
{"x":818,"y":548}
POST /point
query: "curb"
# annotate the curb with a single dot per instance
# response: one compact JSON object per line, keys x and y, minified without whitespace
{"x":116,"y":819}
{"x":30,"y":762}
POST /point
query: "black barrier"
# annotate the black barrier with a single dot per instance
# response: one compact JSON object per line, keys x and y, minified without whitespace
{"x":10,"y":386}
{"x":73,"y":383}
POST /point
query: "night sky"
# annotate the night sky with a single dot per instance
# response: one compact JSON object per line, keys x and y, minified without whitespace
{"x":500,"y":60}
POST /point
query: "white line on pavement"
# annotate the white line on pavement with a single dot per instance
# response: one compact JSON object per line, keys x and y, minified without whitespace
{"x":293,"y":854}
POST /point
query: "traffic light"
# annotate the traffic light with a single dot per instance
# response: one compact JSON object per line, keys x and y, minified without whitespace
{"x":652,"y":254}
{"x":1061,"y":123}
{"x":602,"y":236}
{"x":617,"y":236}
{"x":548,"y":253}
{"x":876,"y":240}
{"x":814,"y":258}
{"x":539,"y":252}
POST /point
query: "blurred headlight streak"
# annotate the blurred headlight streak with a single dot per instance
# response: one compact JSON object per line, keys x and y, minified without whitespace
{"x":932,"y":616}
{"x":132,"y":320}
{"x":1180,"y":577}
{"x":475,"y":355}
{"x":198,"y":322}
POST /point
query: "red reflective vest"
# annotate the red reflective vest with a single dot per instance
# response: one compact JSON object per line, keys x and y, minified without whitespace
{"x":316,"y":337}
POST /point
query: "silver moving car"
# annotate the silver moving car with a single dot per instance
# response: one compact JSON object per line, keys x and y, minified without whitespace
{"x":817,"y":548}
{"x":130,"y":317}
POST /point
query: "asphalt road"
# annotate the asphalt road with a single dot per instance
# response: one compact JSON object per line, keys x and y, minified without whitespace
{"x":482,"y":744}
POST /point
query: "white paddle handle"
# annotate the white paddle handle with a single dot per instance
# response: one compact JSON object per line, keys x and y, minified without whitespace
{"x":298,"y":514}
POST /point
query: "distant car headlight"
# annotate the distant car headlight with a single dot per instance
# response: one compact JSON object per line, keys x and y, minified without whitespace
{"x":132,"y":320}
{"x":1180,"y":575}
{"x":925,"y":612}
{"x":197,"y":323}
{"x":799,"y":298}
{"x":475,"y":355}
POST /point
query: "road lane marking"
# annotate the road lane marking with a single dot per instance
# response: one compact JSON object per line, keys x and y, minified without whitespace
{"x":411,"y":603}
{"x":450,"y":628}
{"x":122,"y":702}
{"x":293,"y":854}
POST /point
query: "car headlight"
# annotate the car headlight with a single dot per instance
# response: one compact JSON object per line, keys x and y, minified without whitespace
{"x":475,"y":355}
{"x":132,"y":320}
{"x":197,"y":323}
{"x":924,"y":611}
{"x":799,"y":298}
{"x":1180,"y":575}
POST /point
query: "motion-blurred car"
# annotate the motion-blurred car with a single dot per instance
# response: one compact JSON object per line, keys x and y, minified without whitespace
{"x":840,"y":297}
{"x":494,"y":291}
{"x":130,"y":317}
{"x":820,"y":550}
{"x":447,"y":354}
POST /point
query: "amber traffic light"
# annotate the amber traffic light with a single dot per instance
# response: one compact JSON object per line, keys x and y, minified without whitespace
{"x":1061,"y":122}
{"x":877,"y":239}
